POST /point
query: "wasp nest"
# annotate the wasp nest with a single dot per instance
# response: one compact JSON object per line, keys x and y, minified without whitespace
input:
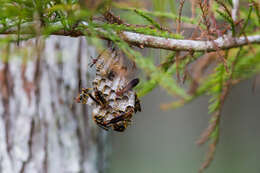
{"x":113,"y":100}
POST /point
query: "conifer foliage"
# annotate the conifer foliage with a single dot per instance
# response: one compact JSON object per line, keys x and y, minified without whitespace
{"x":204,"y":51}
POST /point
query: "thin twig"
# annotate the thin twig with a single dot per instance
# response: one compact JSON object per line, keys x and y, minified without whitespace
{"x":235,"y":9}
{"x":179,"y":16}
{"x":178,"y":31}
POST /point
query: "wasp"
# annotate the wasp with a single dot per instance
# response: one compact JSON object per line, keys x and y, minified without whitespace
{"x":119,"y":127}
{"x":99,"y":119}
{"x":113,"y":70}
{"x":111,"y":75}
{"x":101,"y":99}
{"x":98,"y":97}
{"x":83,"y":96}
{"x":129,"y":86}
{"x":94,"y":60}
{"x":118,"y":123}
{"x":137,"y":104}
{"x":122,"y":117}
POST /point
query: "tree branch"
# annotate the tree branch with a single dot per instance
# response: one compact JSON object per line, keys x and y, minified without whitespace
{"x":189,"y":45}
{"x":142,"y":40}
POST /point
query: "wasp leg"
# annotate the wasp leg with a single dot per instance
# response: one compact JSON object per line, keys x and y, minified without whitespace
{"x":94,"y":99}
{"x":137,"y":104}
{"x":125,"y":116}
{"x":82,"y":96}
{"x":119,"y":128}
{"x":101,"y":99}
{"x":116,"y":119}
{"x":100,"y":122}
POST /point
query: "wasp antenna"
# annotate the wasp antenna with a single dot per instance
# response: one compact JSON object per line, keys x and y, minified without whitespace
{"x":93,"y":98}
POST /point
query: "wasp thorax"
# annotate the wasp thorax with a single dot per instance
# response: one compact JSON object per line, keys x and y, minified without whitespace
{"x":113,"y":100}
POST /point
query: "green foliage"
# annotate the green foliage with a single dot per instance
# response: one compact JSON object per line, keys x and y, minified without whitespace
{"x":161,"y":14}
{"x":141,"y":30}
{"x":148,"y":18}
{"x":247,"y":65}
{"x":26,"y":19}
{"x":247,"y":20}
{"x":228,"y":19}
{"x":164,"y":79}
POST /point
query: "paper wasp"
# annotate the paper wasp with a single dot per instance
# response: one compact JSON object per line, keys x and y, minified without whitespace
{"x":118,"y":123}
{"x":98,"y":97}
{"x":101,"y":99}
{"x":125,"y":116}
{"x":94,"y":60}
{"x":83,"y":96}
{"x":137,"y":104}
{"x":99,"y":119}
{"x":129,"y":86}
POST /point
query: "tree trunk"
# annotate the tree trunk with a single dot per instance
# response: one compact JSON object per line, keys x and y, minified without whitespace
{"x":42,"y":129}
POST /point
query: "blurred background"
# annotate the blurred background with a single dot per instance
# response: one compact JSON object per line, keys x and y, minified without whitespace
{"x":165,"y":141}
{"x":157,"y":140}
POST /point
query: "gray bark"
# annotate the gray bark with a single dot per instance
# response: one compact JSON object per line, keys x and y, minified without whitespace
{"x":42,"y":129}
